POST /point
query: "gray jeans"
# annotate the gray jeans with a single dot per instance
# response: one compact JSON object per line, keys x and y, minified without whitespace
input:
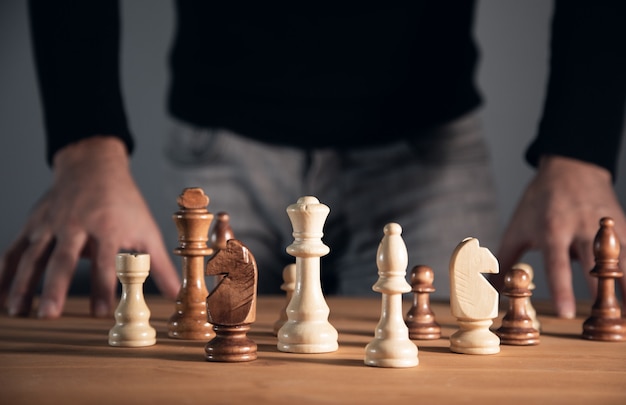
{"x":438,"y":187}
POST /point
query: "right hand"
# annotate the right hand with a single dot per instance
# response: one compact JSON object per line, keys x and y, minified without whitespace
{"x":559,"y":215}
{"x":93,"y":210}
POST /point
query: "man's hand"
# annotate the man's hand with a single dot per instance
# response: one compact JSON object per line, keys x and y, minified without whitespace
{"x":559,"y":215}
{"x":93,"y":210}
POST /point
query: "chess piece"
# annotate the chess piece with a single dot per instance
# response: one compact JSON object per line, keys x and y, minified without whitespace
{"x":530,"y":309}
{"x":307,"y":329}
{"x":288,"y":286}
{"x":221,"y":231}
{"x":231,"y":305}
{"x":517,"y":326}
{"x":605,"y":322}
{"x":219,"y":234}
{"x":132,"y":316}
{"x":473,"y":300}
{"x":189,"y":321}
{"x":420,"y":319}
{"x":391,"y":346}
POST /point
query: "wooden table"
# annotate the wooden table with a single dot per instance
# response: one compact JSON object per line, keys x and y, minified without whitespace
{"x":69,"y":361}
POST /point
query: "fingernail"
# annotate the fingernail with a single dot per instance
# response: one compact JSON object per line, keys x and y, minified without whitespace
{"x":48,"y":309}
{"x":566,"y":311}
{"x":101,"y":309}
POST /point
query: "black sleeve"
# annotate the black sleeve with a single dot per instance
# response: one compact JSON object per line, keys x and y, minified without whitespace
{"x":76,"y":51}
{"x":585,"y":101}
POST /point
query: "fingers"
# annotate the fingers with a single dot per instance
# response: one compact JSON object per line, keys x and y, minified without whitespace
{"x":29,"y":270}
{"x":559,"y":274}
{"x":8,"y":267}
{"x":58,"y":275}
{"x":162,"y":270}
{"x":511,"y":250}
{"x":583,"y":251}
{"x":103,"y":279}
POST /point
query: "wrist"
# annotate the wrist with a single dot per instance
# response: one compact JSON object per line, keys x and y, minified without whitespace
{"x":91,"y":151}
{"x":566,"y":166}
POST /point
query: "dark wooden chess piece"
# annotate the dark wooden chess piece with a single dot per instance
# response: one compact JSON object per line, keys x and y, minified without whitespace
{"x":530,"y":309}
{"x":231,"y":306}
{"x":605,"y":322}
{"x":420,"y":319}
{"x":192,"y":222}
{"x":221,"y":231}
{"x":517,"y":325}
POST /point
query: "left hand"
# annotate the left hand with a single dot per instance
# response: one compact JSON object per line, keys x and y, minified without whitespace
{"x":559,"y":215}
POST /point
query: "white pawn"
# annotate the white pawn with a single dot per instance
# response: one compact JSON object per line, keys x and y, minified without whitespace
{"x":473,"y":300}
{"x":391,"y":346}
{"x":288,"y":286}
{"x":530,"y":310}
{"x":132,"y":316}
{"x":307,"y":329}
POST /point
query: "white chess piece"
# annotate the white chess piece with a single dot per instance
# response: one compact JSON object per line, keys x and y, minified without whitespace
{"x":288,"y":286}
{"x":132,"y":316}
{"x":391,"y":346}
{"x":307,"y":329}
{"x":473,"y":300}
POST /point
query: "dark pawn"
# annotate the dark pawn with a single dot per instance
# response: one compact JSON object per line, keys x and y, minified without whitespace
{"x":517,"y":326}
{"x":420,"y":319}
{"x":221,"y":231}
{"x":605,"y":322}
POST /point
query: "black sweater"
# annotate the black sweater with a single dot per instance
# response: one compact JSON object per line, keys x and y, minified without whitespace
{"x":329,"y":76}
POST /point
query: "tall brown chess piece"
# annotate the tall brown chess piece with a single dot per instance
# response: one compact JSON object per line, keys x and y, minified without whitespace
{"x":192,"y":222}
{"x":605,"y":322}
{"x":420,"y":319}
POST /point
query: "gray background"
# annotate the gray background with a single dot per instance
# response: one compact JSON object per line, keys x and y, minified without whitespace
{"x":513,"y":36}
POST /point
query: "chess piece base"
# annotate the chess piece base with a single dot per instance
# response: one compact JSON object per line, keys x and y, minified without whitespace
{"x":307,"y":347}
{"x":606,"y":330}
{"x":394,"y":353}
{"x":307,"y":337}
{"x":190,"y":328}
{"x":424,"y":332}
{"x":518,"y":336}
{"x":135,"y":337}
{"x":474,"y":337}
{"x":231,"y":344}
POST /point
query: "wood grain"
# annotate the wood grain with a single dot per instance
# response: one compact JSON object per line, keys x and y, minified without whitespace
{"x":69,"y":361}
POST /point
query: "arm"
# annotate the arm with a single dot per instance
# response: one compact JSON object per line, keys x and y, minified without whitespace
{"x":76,"y":51}
{"x":576,"y":149}
{"x":93,"y":208}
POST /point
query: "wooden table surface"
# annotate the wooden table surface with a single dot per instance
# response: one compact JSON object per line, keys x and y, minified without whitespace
{"x":69,"y":361}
